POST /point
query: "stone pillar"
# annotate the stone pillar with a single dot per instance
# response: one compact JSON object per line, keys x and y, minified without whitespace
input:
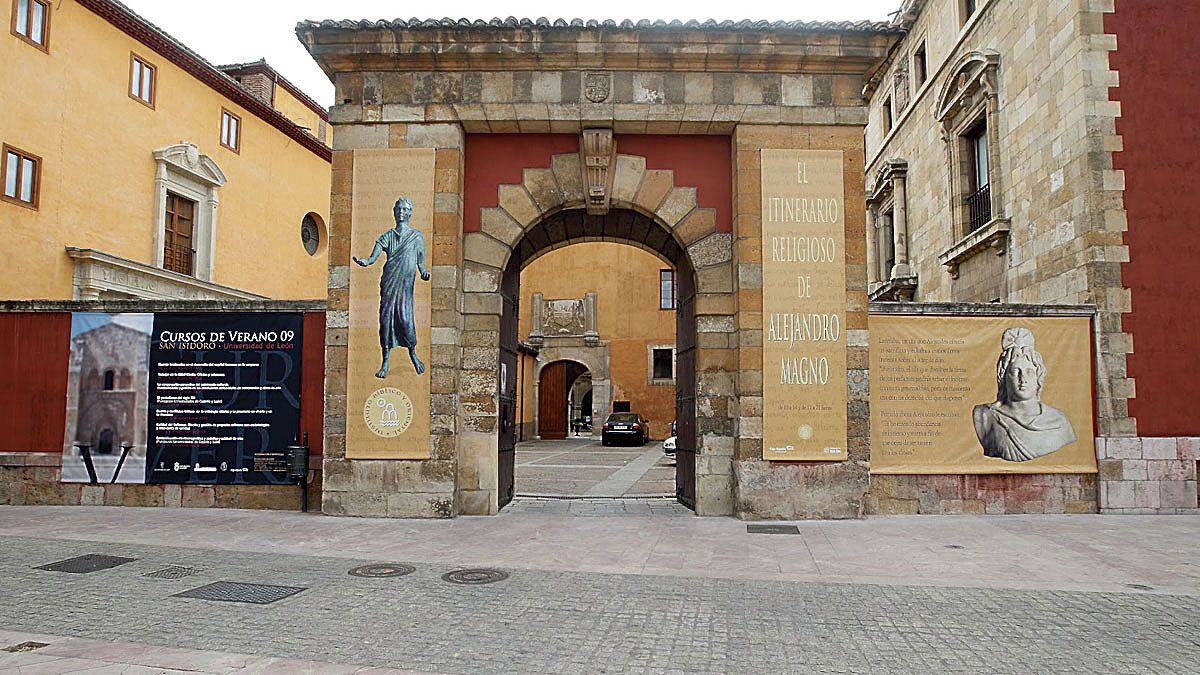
{"x":537,"y":319}
{"x":591,"y":335}
{"x":601,"y":403}
{"x":900,"y":269}
{"x":872,"y":254}
{"x":886,"y":240}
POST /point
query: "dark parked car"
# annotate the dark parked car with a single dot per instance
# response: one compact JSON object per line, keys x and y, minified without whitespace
{"x":625,"y":427}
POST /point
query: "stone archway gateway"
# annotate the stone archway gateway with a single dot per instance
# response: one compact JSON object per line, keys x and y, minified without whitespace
{"x":518,"y":137}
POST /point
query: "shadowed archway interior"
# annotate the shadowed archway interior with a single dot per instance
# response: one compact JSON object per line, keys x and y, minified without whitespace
{"x":625,"y":226}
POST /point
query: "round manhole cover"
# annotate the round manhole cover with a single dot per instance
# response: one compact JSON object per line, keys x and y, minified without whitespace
{"x":382,"y":571}
{"x":474,"y":576}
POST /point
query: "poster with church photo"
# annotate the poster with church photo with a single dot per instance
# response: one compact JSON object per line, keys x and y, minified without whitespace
{"x":107,"y":390}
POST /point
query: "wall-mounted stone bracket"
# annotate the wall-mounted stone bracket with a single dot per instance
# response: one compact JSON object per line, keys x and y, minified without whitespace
{"x":993,"y":235}
{"x":598,"y":155}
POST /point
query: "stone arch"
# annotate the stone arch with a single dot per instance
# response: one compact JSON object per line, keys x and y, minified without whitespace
{"x":545,"y":193}
{"x":594,"y":359}
{"x":648,"y":210}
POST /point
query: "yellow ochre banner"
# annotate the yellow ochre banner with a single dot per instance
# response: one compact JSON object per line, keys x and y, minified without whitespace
{"x":957,"y":395}
{"x":804,"y":305}
{"x":387,"y":402}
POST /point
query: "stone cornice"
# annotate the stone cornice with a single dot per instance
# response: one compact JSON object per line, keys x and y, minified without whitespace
{"x":754,"y":48}
{"x":97,"y":271}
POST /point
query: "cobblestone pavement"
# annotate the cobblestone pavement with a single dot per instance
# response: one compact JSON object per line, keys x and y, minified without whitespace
{"x":567,"y":622}
{"x":582,"y":467}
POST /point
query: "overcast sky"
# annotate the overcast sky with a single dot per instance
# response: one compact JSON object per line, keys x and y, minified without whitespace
{"x":238,"y":31}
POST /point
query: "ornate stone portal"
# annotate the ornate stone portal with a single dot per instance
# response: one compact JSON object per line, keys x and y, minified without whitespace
{"x":406,"y":85}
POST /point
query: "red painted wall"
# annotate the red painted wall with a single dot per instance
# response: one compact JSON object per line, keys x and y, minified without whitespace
{"x":702,"y":162}
{"x":1160,"y":127}
{"x":35,"y":351}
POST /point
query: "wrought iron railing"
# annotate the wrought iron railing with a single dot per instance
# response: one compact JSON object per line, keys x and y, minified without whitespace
{"x":979,"y":208}
{"x":179,"y":258}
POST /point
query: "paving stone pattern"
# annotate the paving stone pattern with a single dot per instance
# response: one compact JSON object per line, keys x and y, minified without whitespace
{"x":548,"y":622}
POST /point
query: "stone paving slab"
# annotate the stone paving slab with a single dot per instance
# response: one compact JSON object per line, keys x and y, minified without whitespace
{"x":582,"y":467}
{"x":570,"y":622}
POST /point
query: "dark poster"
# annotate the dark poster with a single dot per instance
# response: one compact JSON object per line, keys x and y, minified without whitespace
{"x":224,"y":400}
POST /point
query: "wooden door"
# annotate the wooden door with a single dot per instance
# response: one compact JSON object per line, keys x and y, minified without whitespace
{"x":685,"y":387}
{"x":178,"y":232}
{"x":552,"y":401}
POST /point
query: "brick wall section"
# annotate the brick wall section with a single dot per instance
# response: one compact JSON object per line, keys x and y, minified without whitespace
{"x":797,"y":489}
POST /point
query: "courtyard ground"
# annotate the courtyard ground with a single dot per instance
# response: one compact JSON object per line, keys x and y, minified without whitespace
{"x":599,"y":591}
{"x":580,"y":466}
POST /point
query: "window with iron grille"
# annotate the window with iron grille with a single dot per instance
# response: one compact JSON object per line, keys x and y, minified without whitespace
{"x":979,"y":198}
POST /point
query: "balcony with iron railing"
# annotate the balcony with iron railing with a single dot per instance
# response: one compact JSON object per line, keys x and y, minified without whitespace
{"x":179,"y":258}
{"x":979,"y":208}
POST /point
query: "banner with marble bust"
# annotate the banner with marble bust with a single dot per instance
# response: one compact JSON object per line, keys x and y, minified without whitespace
{"x":981,"y":394}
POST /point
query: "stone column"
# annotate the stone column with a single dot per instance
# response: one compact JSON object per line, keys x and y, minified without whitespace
{"x":872,"y":255}
{"x":601,"y":403}
{"x":537,"y":319}
{"x":900,"y":269}
{"x":886,"y":240}
{"x":591,"y":335}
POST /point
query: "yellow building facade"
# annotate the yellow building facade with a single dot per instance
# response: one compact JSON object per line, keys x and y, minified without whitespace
{"x":627,"y":307}
{"x":135,"y":168}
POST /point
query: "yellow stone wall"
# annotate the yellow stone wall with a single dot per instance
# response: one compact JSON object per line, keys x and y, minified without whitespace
{"x":628,"y":318}
{"x":70,"y":107}
{"x":296,"y":111}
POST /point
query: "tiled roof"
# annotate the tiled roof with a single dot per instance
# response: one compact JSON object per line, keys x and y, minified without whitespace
{"x":625,"y":25}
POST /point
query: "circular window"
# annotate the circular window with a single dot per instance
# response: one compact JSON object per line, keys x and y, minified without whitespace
{"x":310,"y":234}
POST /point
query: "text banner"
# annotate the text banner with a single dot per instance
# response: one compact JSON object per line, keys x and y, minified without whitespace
{"x":804,"y":305}
{"x":974,"y":395}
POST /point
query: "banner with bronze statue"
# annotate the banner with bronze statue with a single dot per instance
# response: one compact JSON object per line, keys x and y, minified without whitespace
{"x":387,"y":388}
{"x":981,"y":394}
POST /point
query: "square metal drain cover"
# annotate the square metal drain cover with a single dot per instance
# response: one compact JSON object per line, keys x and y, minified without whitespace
{"x":232,"y":591}
{"x":772,"y":529}
{"x":92,"y":562}
{"x":172,"y":572}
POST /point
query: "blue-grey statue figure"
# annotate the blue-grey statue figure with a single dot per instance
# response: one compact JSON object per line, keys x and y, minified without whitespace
{"x":405,"y":249}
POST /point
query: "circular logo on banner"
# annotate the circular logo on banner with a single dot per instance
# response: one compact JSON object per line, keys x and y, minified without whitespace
{"x":388,"y":412}
{"x":805,"y":432}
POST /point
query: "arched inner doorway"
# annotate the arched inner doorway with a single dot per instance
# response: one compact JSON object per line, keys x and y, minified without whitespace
{"x":555,"y":231}
{"x":556,"y":414}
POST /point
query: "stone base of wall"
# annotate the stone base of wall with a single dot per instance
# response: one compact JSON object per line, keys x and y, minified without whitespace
{"x":32,"y":478}
{"x":799,"y":491}
{"x":389,"y":488}
{"x":945,"y":494}
{"x":1148,"y":475}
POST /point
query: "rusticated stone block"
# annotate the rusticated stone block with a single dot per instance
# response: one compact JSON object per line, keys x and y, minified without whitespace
{"x":794,"y":491}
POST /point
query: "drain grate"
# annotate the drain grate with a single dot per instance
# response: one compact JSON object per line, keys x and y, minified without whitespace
{"x":475,"y":576}
{"x":172,"y":572}
{"x":394,"y":570}
{"x":1140,"y":587}
{"x":955,"y":546}
{"x":92,"y":562}
{"x":772,"y":529}
{"x":26,"y":646}
{"x":232,"y":591}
